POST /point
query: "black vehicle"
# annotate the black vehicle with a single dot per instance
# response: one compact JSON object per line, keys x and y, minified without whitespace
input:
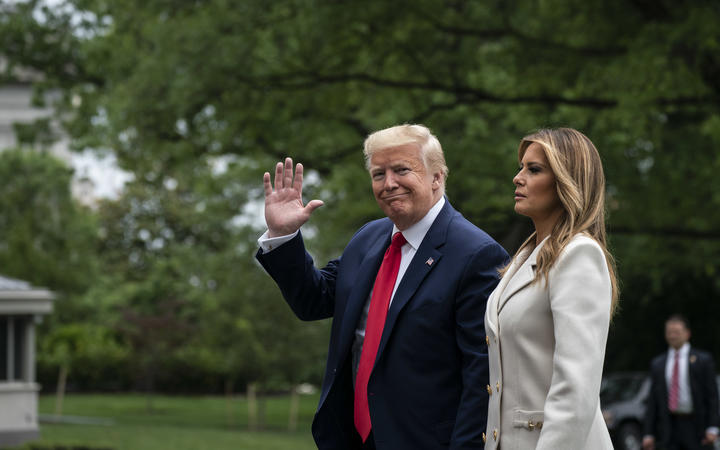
{"x":623,"y":396}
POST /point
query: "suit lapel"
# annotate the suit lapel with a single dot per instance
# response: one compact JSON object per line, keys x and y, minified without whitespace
{"x":663,"y":377}
{"x":693,"y":374}
{"x":367,"y":271}
{"x":425,"y":260}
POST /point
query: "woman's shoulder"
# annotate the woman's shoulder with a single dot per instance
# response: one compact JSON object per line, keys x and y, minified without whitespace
{"x":583,"y":241}
{"x":581,"y":247}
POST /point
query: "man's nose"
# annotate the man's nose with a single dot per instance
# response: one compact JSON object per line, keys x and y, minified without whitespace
{"x":390,"y":181}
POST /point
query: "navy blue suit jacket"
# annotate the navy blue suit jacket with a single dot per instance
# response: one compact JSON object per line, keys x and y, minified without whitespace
{"x":427,"y":389}
{"x":703,"y":389}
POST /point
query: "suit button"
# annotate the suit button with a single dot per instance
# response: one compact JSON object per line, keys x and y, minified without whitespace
{"x":484,"y":438}
{"x":495,"y":433}
{"x":497,"y":386}
{"x":487,"y":340}
{"x":489,"y":389}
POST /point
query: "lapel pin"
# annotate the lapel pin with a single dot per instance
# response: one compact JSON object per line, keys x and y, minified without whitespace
{"x":429,"y":261}
{"x":693,"y":358}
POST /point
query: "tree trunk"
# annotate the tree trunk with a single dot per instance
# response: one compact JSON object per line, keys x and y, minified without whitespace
{"x":60,"y":394}
{"x":149,"y":389}
{"x":261,"y":411}
{"x":229,"y":418}
{"x":252,"y":406}
{"x":294,"y":408}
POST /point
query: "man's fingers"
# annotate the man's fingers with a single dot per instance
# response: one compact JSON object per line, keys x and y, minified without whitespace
{"x":313,"y":205}
{"x":278,"y":176}
{"x":266,"y":184}
{"x":287,"y":178}
{"x":297,"y":184}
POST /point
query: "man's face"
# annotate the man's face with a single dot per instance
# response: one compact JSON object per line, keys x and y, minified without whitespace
{"x":403,"y":187}
{"x":676,"y":334}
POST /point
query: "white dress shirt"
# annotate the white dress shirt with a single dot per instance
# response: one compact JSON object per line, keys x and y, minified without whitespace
{"x":685,"y":405}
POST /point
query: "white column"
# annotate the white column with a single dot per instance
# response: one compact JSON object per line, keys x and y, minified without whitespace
{"x":10,"y":348}
{"x":29,"y":350}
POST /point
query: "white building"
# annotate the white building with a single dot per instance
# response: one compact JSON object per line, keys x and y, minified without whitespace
{"x":95,"y":177}
{"x":21,"y":307}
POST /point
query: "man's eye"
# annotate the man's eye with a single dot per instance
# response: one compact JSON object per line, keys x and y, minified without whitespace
{"x":403,"y":170}
{"x":377,"y":176}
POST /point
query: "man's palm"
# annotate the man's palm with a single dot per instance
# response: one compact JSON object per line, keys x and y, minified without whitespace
{"x":284,"y":209}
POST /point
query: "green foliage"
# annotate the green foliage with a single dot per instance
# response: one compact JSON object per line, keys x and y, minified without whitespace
{"x":197,"y":99}
{"x":45,"y":236}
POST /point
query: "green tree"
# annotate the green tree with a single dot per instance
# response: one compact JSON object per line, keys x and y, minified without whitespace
{"x":46,"y":237}
{"x":176,"y":88}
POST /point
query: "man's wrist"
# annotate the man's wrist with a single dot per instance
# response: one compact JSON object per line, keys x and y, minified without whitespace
{"x":267,"y":243}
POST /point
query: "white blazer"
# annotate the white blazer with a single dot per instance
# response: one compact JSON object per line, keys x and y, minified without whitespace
{"x":546,"y":346}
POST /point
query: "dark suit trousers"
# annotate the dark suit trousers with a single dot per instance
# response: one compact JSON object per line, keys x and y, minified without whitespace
{"x":684,"y":434}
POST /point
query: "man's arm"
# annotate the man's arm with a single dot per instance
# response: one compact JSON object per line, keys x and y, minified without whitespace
{"x":713,"y":421}
{"x":650,"y":414}
{"x":309,"y":292}
{"x":478,"y":281}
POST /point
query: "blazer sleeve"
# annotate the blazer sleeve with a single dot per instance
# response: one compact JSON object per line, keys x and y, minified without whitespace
{"x":309,"y":291}
{"x":580,"y":300}
{"x":478,"y":280}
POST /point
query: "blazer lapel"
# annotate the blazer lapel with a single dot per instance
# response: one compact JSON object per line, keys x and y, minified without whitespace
{"x":425,"y":260}
{"x":494,"y":299}
{"x":524,"y":275}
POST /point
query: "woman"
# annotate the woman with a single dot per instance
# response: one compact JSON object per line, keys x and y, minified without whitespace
{"x":547,"y":320}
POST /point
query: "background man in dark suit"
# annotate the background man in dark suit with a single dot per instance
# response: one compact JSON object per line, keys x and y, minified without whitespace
{"x":411,"y":374}
{"x":682,"y":409}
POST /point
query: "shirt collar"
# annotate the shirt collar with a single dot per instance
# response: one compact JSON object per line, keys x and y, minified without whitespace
{"x":683,"y":351}
{"x":415,"y":234}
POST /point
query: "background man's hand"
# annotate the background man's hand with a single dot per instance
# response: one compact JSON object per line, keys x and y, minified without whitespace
{"x":284,"y":209}
{"x":709,"y":438}
{"x":648,"y":443}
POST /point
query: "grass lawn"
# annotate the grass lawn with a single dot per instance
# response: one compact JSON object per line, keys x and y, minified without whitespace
{"x":176,"y":423}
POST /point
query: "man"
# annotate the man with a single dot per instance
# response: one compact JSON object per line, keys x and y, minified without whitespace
{"x":682,"y":408}
{"x":407,"y":361}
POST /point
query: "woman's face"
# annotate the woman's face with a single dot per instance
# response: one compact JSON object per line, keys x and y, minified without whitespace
{"x":535,"y":192}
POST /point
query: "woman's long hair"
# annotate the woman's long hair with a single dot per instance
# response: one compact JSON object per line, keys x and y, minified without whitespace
{"x":580,"y":185}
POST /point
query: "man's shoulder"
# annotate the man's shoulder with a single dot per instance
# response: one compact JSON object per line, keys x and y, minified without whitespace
{"x":659,"y":360}
{"x":373,"y":230}
{"x":700,"y":354}
{"x":468,"y":234}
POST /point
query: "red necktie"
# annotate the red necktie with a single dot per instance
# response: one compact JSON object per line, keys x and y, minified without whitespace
{"x":379,"y":301}
{"x":674,"y":385}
